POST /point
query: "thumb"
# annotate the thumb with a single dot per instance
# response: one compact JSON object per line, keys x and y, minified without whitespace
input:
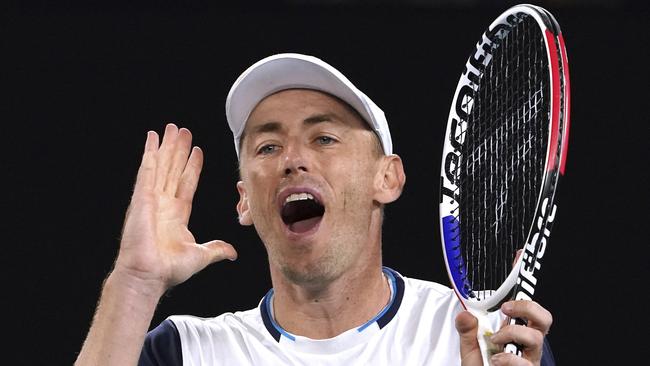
{"x":218,"y":250}
{"x":467,"y":328}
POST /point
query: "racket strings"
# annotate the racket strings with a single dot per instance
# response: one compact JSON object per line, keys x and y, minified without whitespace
{"x":502,"y":157}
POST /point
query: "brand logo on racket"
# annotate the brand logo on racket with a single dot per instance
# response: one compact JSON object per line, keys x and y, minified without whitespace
{"x":465,"y":98}
{"x":531,"y":261}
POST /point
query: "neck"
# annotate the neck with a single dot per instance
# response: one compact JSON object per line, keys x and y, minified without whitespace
{"x":348,"y":302}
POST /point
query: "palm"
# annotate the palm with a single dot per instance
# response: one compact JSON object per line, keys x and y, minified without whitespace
{"x":156,"y":242}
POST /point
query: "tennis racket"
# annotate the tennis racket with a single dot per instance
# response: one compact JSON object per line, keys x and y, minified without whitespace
{"x":504,"y":152}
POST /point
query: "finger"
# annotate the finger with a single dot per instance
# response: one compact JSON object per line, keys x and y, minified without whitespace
{"x":467,"y":327}
{"x":165,"y":155}
{"x":190,"y":178}
{"x":218,"y":250}
{"x":146,"y":176}
{"x":179,"y":156}
{"x":538,"y":317}
{"x":532,"y":340}
{"x":501,"y":359}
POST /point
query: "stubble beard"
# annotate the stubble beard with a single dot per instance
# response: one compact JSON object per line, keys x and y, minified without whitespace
{"x":318,"y":273}
{"x":341,"y":250}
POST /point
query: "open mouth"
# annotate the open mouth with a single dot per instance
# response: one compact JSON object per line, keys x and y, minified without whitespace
{"x":301,"y":212}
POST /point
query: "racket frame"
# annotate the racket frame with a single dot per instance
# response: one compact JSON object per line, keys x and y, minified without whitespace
{"x":521,"y":281}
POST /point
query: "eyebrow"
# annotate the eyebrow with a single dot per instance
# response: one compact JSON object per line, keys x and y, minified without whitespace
{"x":318,"y":118}
{"x":266,"y":127}
{"x":273,"y":126}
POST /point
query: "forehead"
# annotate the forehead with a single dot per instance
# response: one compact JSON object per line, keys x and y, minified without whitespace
{"x":300,"y":105}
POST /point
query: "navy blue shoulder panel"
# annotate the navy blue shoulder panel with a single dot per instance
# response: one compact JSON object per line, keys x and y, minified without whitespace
{"x":547,"y":354}
{"x":162,"y":346}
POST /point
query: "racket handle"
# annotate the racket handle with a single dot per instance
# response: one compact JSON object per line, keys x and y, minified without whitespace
{"x":515,"y":348}
{"x":484,"y":332}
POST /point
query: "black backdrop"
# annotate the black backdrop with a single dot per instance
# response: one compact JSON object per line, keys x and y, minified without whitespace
{"x":82,"y":86}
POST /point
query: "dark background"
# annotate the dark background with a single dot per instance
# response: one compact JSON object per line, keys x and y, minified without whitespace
{"x":83,"y":83}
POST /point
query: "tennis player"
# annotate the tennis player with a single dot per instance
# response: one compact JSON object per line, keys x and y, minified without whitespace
{"x":317,"y":168}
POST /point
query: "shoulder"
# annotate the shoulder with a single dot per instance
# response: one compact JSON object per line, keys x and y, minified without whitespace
{"x":428,"y":287}
{"x":428,"y":304}
{"x":180,"y":335}
{"x":427,"y":292}
{"x":195,"y":331}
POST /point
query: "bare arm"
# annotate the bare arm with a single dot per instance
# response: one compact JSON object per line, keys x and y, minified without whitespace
{"x":157,"y":250}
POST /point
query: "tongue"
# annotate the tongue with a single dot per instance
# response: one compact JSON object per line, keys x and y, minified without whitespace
{"x":304,"y":225}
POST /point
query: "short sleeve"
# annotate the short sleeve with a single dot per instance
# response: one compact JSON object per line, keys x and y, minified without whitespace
{"x":162,"y":346}
{"x":547,"y":354}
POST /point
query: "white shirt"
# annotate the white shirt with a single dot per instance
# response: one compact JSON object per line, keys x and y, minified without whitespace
{"x":415,"y":328}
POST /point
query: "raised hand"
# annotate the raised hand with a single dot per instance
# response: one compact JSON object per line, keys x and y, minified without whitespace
{"x":157,"y":248}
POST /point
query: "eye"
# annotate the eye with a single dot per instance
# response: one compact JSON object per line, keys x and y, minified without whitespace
{"x":325,"y":140}
{"x":267,"y":149}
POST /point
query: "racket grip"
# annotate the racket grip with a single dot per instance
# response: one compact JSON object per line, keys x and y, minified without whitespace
{"x":488,"y":349}
{"x":515,"y":348}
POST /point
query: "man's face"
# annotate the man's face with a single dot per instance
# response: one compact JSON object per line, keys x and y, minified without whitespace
{"x":309,"y":168}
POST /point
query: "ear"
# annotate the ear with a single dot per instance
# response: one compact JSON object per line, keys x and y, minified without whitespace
{"x":390,"y":179}
{"x":242,"y":206}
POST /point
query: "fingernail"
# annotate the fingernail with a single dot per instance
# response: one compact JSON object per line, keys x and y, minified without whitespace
{"x":506,"y":307}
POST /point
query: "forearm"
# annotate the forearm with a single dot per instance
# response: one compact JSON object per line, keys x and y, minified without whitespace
{"x":121,"y":322}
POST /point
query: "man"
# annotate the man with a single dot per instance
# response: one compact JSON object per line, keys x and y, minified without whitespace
{"x":317,"y":168}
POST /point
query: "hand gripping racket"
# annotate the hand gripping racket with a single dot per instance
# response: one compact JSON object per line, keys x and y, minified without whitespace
{"x":504,"y":152}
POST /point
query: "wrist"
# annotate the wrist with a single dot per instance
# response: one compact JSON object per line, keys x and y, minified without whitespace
{"x":134,"y":287}
{"x":121,"y":321}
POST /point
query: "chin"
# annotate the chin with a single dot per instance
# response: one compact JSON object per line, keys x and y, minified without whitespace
{"x":314,"y":274}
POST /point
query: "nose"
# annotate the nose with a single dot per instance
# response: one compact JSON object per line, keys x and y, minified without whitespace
{"x":294,"y":161}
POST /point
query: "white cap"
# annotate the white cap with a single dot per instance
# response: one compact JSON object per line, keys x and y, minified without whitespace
{"x":296,"y":71}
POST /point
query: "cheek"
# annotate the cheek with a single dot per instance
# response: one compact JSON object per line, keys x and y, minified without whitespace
{"x":356,"y":185}
{"x":258,"y":192}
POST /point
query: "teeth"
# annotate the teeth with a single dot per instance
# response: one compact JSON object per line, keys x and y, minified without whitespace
{"x":299,"y":197}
